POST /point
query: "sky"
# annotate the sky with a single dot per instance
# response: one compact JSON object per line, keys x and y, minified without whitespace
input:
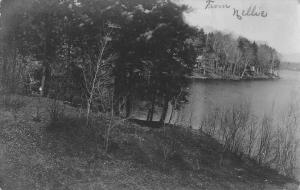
{"x":280,"y":29}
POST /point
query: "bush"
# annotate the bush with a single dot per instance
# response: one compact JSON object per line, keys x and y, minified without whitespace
{"x":233,"y":124}
{"x":252,"y":133}
{"x":245,"y":135}
{"x":56,"y":111}
{"x":265,"y":140}
{"x":12,"y":103}
{"x":286,"y":144}
{"x":37,"y":117}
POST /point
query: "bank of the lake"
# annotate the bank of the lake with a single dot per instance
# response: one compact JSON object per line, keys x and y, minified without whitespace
{"x":71,"y":156}
{"x":213,"y":76}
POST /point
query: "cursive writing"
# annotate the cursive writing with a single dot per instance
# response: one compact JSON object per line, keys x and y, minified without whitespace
{"x":210,"y":4}
{"x":251,"y":11}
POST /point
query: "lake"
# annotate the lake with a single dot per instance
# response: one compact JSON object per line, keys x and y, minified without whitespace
{"x":272,"y":97}
{"x":264,"y":96}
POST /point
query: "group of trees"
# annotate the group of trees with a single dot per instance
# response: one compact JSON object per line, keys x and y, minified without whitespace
{"x":98,"y":49}
{"x":234,"y":57}
{"x":112,"y":52}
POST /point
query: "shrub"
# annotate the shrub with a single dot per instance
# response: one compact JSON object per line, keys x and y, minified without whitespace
{"x":265,"y":140}
{"x":262,"y":141}
{"x":252,"y":133}
{"x":12,"y":103}
{"x":56,"y":111}
{"x":37,"y":116}
{"x":233,"y":123}
{"x":211,"y":122}
{"x":168,"y":148}
{"x":286,"y":144}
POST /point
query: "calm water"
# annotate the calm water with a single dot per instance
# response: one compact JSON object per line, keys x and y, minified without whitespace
{"x":264,"y":96}
{"x":271,"y":97}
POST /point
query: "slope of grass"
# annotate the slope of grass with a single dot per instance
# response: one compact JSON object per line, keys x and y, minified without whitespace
{"x":36,"y":154}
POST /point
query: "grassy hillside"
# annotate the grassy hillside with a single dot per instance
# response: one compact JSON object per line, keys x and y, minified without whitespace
{"x":37,"y":153}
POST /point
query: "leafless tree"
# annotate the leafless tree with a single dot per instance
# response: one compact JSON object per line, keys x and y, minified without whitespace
{"x":98,"y":76}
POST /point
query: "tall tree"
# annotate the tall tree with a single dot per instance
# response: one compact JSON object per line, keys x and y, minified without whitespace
{"x":155,"y":53}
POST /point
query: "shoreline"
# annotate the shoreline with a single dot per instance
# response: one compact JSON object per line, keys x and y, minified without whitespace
{"x":197,"y":76}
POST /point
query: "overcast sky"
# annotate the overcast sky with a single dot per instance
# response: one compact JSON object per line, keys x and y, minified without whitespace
{"x":280,"y":29}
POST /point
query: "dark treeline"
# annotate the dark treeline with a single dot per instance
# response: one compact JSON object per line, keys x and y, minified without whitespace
{"x":105,"y":54}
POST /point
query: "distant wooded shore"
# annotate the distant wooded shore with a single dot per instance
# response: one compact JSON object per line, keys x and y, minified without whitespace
{"x":199,"y":76}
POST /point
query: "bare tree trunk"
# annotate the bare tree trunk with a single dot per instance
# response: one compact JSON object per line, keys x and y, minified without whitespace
{"x":110,"y":126}
{"x":151,"y":110}
{"x":171,"y":115}
{"x":94,"y":80}
{"x":128,"y":106}
{"x":4,"y":74}
{"x":45,"y":79}
{"x":164,"y":110}
{"x":234,"y":68}
{"x":42,"y":89}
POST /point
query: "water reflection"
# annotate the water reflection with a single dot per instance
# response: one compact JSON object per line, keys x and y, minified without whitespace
{"x":264,"y":96}
{"x":272,"y":98}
